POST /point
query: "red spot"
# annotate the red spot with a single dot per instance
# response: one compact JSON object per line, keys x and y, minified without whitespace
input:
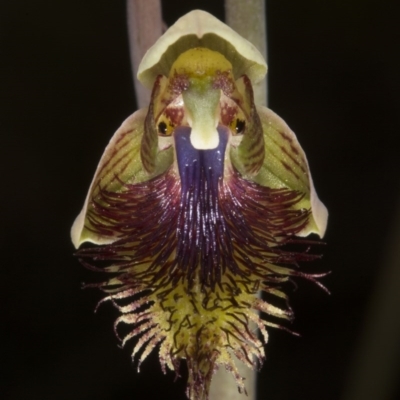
{"x":223,"y":81}
{"x":178,"y":83}
{"x":175,"y":115}
{"x":227,"y":114}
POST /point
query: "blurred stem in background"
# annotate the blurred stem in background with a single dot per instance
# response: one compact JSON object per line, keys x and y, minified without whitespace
{"x":248,"y":19}
{"x":145,"y":27}
{"x":374,"y":373}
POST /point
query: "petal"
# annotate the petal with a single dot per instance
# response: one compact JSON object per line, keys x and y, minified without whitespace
{"x":120,"y":164}
{"x":285,"y":166}
{"x":201,"y":29}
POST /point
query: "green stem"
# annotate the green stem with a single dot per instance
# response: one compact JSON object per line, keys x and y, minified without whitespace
{"x":144,"y":28}
{"x":248,"y":19}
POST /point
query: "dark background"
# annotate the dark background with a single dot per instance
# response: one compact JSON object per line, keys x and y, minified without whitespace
{"x":66,"y":86}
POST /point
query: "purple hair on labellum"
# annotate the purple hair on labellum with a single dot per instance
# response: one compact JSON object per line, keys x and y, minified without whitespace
{"x":202,"y":229}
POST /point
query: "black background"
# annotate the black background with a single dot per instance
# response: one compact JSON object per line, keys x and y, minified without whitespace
{"x":66,"y":86}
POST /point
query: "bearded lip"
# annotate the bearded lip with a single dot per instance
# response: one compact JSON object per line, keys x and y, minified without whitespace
{"x":188,"y":250}
{"x":197,"y":223}
{"x":202,"y":234}
{"x":195,"y":245}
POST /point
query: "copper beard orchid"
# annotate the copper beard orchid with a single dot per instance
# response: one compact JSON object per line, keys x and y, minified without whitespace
{"x":193,"y":205}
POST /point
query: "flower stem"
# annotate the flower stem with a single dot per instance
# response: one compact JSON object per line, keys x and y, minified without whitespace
{"x":144,"y":28}
{"x":248,"y":19}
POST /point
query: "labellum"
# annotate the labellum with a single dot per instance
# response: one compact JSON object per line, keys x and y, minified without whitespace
{"x":195,"y":206}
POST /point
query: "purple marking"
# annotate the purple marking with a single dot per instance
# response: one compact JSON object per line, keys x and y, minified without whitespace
{"x":200,"y":223}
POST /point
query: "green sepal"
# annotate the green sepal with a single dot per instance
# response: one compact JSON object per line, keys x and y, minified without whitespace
{"x":120,"y":164}
{"x":285,"y":166}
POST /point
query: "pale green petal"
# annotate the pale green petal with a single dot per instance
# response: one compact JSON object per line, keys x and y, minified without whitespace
{"x":120,"y":163}
{"x":201,"y":29}
{"x":285,"y":165}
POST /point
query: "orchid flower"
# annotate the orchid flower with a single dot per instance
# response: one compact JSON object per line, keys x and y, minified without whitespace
{"x":194,"y":203}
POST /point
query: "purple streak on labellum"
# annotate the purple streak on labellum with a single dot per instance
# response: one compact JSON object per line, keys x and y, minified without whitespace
{"x":201,"y":225}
